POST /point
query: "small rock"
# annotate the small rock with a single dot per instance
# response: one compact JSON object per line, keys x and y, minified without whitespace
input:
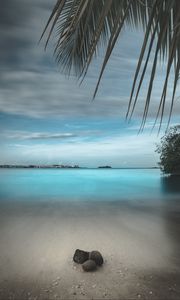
{"x":97,"y":257}
{"x":94,"y":286}
{"x":150,"y":292}
{"x":80,"y":256}
{"x":82,"y":293}
{"x":77,"y":286}
{"x":55,"y":283}
{"x":89,"y":265}
{"x":138,"y":284}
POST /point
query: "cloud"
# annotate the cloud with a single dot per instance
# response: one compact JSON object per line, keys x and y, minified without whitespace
{"x":76,"y":136}
{"x":21,"y":23}
{"x":117,"y":151}
{"x":23,"y":135}
{"x":47,"y":94}
{"x":31,"y":85}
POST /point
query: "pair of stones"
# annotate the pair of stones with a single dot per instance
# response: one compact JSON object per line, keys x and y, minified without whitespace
{"x":89,"y":260}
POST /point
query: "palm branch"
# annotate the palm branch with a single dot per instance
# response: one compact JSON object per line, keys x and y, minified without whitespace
{"x":82,"y":26}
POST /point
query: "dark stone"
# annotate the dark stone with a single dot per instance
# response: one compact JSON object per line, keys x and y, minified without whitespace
{"x":97,"y":257}
{"x":89,"y":265}
{"x":80,"y":256}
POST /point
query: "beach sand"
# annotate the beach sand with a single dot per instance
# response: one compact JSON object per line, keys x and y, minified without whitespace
{"x":140,"y":243}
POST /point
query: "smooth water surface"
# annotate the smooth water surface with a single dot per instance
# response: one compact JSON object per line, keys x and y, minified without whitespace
{"x":86,"y":184}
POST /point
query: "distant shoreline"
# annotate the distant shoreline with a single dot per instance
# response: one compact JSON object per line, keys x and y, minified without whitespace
{"x":73,"y":167}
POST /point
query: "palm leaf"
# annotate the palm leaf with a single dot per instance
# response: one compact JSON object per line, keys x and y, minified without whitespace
{"x":83,"y":26}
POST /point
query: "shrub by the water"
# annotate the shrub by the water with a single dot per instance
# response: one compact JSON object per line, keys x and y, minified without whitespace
{"x":169,"y":150}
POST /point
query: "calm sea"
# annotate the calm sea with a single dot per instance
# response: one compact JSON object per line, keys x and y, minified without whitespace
{"x":86,"y":184}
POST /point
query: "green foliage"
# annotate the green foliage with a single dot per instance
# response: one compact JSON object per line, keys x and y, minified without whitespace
{"x":169,"y":150}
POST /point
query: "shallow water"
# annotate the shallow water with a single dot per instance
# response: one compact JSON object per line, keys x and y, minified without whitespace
{"x":87,"y":184}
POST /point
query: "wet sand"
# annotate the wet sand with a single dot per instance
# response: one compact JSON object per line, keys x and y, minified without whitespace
{"x":140,"y":243}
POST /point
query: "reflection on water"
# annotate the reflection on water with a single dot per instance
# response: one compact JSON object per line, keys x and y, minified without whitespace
{"x":172,"y":227}
{"x":171,"y":213}
{"x":170,"y":184}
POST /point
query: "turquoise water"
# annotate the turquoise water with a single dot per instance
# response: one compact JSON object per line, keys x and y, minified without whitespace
{"x":86,"y":184}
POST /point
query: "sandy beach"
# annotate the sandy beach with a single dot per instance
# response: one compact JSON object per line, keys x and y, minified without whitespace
{"x":140,"y":243}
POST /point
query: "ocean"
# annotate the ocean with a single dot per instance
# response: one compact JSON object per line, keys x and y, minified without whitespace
{"x":87,"y":184}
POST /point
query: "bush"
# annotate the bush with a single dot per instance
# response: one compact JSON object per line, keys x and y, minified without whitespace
{"x":169,"y":150}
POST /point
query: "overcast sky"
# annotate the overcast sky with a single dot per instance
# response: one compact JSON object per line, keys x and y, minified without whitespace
{"x":46,"y":117}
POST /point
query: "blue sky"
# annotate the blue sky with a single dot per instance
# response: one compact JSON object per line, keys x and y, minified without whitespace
{"x":46,"y":117}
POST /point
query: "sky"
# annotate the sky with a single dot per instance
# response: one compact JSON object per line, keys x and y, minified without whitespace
{"x":46,"y":117}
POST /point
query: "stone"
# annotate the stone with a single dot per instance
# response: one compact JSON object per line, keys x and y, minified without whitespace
{"x":78,"y":286}
{"x":55,"y":283}
{"x":89,"y":265}
{"x":80,"y":256}
{"x":97,"y":257}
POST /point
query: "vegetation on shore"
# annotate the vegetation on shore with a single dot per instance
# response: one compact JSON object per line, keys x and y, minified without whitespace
{"x":169,"y":150}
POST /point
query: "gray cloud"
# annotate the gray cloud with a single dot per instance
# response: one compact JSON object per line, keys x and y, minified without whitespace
{"x":21,"y":23}
{"x":23,"y":135}
{"x":31,"y":85}
{"x":31,"y":135}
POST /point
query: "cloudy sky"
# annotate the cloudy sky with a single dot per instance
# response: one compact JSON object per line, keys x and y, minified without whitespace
{"x":46,"y":117}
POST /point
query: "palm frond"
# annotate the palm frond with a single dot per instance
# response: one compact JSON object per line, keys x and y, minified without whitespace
{"x":82,"y":26}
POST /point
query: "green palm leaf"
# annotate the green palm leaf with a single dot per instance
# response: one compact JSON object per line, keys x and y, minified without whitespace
{"x":82,"y":26}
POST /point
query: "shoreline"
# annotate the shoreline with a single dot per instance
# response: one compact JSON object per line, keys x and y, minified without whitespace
{"x":77,"y":168}
{"x":140,"y":244}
